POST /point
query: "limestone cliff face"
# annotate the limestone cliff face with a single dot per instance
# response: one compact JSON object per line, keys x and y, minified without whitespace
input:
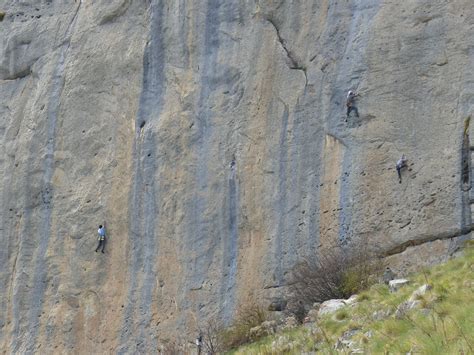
{"x":210,"y":137}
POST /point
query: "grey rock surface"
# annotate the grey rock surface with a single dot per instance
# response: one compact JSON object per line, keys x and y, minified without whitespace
{"x":405,"y":307}
{"x":277,"y":304}
{"x":381,"y":314}
{"x":419,"y":292}
{"x":331,"y":306}
{"x":396,"y":284}
{"x":313,"y":315}
{"x":210,"y":137}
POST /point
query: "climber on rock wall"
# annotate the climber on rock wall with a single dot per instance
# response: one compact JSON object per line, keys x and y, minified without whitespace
{"x":199,"y":343}
{"x":401,"y":163}
{"x":101,"y":238}
{"x":350,"y":104}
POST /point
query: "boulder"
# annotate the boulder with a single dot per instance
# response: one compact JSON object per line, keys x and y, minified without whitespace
{"x":345,"y":343}
{"x":381,"y":314}
{"x":351,"y":300}
{"x":406,"y":306}
{"x":290,"y":322}
{"x":277,"y":304}
{"x":420,"y":291}
{"x":313,"y":315}
{"x":331,"y":306}
{"x":378,"y":315}
{"x":278,"y":317}
{"x":395,"y":285}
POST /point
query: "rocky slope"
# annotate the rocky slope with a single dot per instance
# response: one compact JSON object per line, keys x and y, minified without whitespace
{"x":429,"y":313}
{"x":210,"y":137}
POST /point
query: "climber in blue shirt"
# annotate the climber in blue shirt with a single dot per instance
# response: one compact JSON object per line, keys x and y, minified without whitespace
{"x":401,"y":163}
{"x":101,"y":238}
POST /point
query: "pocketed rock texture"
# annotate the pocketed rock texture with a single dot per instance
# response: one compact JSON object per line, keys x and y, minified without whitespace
{"x":210,"y":137}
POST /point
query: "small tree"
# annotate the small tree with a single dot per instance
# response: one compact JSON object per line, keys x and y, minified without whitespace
{"x":336,"y":272}
{"x":212,"y":339}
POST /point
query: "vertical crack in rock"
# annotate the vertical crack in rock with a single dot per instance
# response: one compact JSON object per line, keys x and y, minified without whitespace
{"x":313,"y":220}
{"x":466,"y":178}
{"x":345,"y":202}
{"x":143,"y":210}
{"x":10,"y":242}
{"x":7,"y":283}
{"x":314,"y":192}
{"x":332,"y":191}
{"x":294,"y":63}
{"x":302,"y":192}
{"x":39,"y":280}
{"x":282,"y":195}
{"x":230,"y":246}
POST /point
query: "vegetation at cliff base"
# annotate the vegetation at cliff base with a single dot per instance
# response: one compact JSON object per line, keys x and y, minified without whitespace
{"x":433,"y":314}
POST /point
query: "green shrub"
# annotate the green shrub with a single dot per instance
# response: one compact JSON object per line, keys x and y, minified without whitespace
{"x":351,"y":282}
{"x":248,"y":316}
{"x":337,"y":272}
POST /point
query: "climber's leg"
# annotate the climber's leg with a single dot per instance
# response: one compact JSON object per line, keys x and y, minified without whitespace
{"x":356,"y":111}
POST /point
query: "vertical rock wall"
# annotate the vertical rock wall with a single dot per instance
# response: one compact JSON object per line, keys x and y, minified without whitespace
{"x":330,"y":193}
{"x":210,"y":137}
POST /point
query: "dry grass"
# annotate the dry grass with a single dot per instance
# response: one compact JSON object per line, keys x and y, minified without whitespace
{"x":250,"y":315}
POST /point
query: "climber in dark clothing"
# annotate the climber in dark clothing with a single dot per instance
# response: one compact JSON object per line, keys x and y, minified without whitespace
{"x":101,"y":238}
{"x":350,"y":104}
{"x":401,"y":163}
